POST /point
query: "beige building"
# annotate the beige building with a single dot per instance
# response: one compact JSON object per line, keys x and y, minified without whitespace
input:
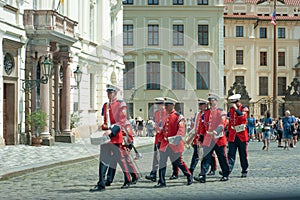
{"x":174,"y":49}
{"x":248,"y":49}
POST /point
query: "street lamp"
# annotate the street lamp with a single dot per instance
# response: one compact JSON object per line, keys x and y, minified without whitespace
{"x":46,"y":65}
{"x":77,"y":76}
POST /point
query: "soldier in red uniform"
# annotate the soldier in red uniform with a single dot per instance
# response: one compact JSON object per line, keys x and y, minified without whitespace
{"x":238,"y":134}
{"x":213,"y":139}
{"x":115,"y":114}
{"x":127,"y":145}
{"x":159,"y":118}
{"x":202,"y":103}
{"x":173,"y":129}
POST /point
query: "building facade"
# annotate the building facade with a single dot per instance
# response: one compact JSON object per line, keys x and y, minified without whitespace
{"x":172,"y":48}
{"x":249,"y":52}
{"x":85,"y":34}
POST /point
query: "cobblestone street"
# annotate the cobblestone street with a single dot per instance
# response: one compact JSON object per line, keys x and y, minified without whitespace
{"x":272,"y":175}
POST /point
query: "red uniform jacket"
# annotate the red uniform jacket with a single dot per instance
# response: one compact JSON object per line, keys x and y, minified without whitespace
{"x":159,"y":119}
{"x":235,"y":120}
{"x":117,"y":115}
{"x":175,"y":125}
{"x":213,"y":118}
{"x":199,"y":125}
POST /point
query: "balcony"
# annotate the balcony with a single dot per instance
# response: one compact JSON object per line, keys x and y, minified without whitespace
{"x":49,"y":24}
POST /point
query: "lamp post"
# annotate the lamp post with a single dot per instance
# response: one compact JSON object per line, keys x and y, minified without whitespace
{"x":46,"y":66}
{"x":78,"y":76}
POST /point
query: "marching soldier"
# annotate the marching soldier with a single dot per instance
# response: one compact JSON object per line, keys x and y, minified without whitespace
{"x":159,"y":118}
{"x":115,"y":114}
{"x":127,"y":145}
{"x":202,"y":103}
{"x":213,"y":139}
{"x":174,"y":128}
{"x":238,"y":134}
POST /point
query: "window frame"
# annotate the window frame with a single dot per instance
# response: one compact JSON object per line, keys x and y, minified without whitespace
{"x":203,"y":75}
{"x":127,"y":34}
{"x":239,"y":56}
{"x":178,"y":35}
{"x":203,"y":34}
{"x":263,"y":86}
{"x":128,"y":75}
{"x":154,"y":34}
{"x":178,"y":76}
{"x":153,"y":75}
{"x":239,"y":31}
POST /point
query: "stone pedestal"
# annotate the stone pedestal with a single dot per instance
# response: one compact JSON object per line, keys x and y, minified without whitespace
{"x":293,"y":107}
{"x":49,"y":141}
{"x":65,"y":138}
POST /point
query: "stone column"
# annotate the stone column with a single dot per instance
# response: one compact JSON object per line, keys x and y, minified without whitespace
{"x":56,"y":69}
{"x":65,"y":116}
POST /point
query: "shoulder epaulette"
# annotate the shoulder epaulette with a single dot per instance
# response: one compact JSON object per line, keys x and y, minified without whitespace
{"x":120,"y":100}
{"x":177,"y":113}
{"x":221,"y":109}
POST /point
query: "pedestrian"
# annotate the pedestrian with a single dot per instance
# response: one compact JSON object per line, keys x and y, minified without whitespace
{"x":115,"y":114}
{"x":150,"y":127}
{"x":266,"y":137}
{"x":173,"y":129}
{"x":279,"y":128}
{"x":213,"y":139}
{"x":202,"y":104}
{"x":238,"y":135}
{"x":251,"y":127}
{"x":140,"y":126}
{"x":288,"y":122}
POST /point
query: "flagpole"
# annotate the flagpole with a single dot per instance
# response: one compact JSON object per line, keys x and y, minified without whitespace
{"x":275,"y":102}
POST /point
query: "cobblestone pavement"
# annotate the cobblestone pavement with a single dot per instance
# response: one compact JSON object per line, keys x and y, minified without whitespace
{"x":272,"y":175}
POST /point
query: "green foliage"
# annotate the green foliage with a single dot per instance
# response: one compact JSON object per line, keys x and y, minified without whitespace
{"x":75,"y":119}
{"x":37,"y":120}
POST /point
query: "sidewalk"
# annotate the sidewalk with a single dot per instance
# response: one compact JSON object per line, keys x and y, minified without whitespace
{"x":18,"y":159}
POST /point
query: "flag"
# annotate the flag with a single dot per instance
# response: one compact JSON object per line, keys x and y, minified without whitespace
{"x":273,"y":19}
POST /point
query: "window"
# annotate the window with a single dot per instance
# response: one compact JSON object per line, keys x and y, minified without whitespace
{"x":240,"y":79}
{"x":281,"y":58}
{"x":153,"y":2}
{"x":178,"y":32}
{"x":239,"y":57}
{"x":92,"y":23}
{"x":153,"y":34}
{"x":129,"y":109}
{"x":179,"y":107}
{"x":128,"y":34}
{"x":203,"y":75}
{"x":128,"y":2}
{"x":224,"y":61}
{"x":281,"y":85}
{"x":178,"y":2}
{"x":281,"y":32}
{"x":263,"y":32}
{"x":202,"y":2}
{"x":203,"y":34}
{"x":225,"y":82}
{"x":239,"y":31}
{"x":178,"y":75}
{"x":263,"y":86}
{"x":92,"y":90}
{"x":224,"y":29}
{"x":263,"y":58}
{"x":153,"y":76}
{"x":128,"y":75}
{"x":151,"y":109}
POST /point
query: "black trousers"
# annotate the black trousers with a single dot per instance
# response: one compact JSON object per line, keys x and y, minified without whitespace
{"x":222,"y":157}
{"x":176,"y":159}
{"x":108,"y":153}
{"x":242,"y":147}
{"x":113,"y":166}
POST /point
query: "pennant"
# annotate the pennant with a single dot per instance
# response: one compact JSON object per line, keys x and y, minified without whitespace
{"x":273,"y":19}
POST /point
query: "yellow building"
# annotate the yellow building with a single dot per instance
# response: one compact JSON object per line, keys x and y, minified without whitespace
{"x":248,"y":48}
{"x":172,"y":48}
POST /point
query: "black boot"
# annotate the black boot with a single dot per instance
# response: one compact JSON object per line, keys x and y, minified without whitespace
{"x":101,"y":183}
{"x":152,"y":176}
{"x":110,"y":176}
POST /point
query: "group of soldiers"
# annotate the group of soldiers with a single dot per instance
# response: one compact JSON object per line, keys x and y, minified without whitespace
{"x":208,"y":136}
